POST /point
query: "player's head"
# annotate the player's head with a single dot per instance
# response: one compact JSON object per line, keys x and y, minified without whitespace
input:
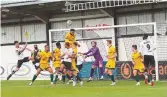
{"x":93,"y":43}
{"x":46,"y":48}
{"x":134,"y":48}
{"x":75,"y":44}
{"x":67,"y":45}
{"x":58,"y":45}
{"x":145,"y":36}
{"x":35,"y":46}
{"x":16,"y":43}
{"x":72,"y":31}
{"x":109,"y":42}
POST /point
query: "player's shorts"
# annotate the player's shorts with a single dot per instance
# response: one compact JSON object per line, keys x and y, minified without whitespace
{"x":79,"y":67}
{"x":67,"y":65}
{"x":149,"y":61}
{"x":20,"y":62}
{"x":57,"y":64}
{"x":110,"y":64}
{"x":44,"y":66}
{"x":96,"y":63}
{"x":139,"y":67}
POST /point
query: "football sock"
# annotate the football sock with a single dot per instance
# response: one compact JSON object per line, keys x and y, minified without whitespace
{"x":92,"y":71}
{"x":11,"y":75}
{"x":153,"y":75}
{"x":78,"y":78}
{"x":63,"y":78}
{"x":51,"y":77}
{"x":101,"y":71}
{"x":56,"y":78}
{"x":136,"y":78}
{"x":34,"y":77}
{"x":149,"y":78}
{"x":112,"y":78}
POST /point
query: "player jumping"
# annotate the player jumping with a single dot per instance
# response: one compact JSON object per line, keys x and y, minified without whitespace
{"x":94,"y":51}
{"x":137,"y":62}
{"x":21,"y":59}
{"x":110,"y":66}
{"x":147,"y":50}
{"x":44,"y":57}
{"x":70,"y":37}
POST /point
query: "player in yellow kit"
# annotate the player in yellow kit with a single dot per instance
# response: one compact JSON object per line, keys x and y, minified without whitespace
{"x":110,"y":66}
{"x":74,"y":62}
{"x":75,"y":51}
{"x":70,"y":37}
{"x":44,"y":57}
{"x":137,"y":62}
{"x":56,"y":55}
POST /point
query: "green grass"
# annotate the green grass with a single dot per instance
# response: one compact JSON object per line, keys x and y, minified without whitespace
{"x":91,"y":89}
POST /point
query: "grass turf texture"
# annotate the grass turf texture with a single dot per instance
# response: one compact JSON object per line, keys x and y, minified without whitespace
{"x":92,"y":89}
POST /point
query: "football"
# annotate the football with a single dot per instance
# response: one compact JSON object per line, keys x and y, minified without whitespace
{"x":69,"y":22}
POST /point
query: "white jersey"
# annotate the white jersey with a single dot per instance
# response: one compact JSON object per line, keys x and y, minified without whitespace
{"x":147,"y":47}
{"x":19,"y":54}
{"x":68,"y":52}
{"x":79,"y":60}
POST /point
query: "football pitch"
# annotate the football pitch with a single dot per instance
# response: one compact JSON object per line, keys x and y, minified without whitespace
{"x":89,"y":89}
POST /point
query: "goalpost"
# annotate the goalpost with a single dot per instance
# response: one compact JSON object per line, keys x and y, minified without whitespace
{"x":108,"y":32}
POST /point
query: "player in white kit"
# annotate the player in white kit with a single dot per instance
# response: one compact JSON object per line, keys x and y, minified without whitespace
{"x":147,"y":50}
{"x":21,"y":59}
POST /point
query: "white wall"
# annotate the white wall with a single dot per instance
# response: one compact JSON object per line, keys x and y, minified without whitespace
{"x":13,"y":32}
{"x":37,"y":32}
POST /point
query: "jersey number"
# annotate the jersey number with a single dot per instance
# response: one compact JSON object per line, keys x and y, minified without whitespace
{"x":148,"y":46}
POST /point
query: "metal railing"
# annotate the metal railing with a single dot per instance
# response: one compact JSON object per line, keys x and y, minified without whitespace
{"x":105,"y":4}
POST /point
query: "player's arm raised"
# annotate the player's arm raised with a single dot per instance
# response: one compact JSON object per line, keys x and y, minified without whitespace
{"x":22,"y":50}
{"x":85,"y":53}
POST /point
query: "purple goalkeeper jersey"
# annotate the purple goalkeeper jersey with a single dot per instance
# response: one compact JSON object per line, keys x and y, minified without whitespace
{"x":94,"y":52}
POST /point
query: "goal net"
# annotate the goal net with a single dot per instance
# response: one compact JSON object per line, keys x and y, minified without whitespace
{"x":122,"y":36}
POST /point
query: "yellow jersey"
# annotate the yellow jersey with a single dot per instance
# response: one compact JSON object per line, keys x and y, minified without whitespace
{"x":138,"y":64}
{"x":70,"y":38}
{"x":111,"y":52}
{"x":137,"y":58}
{"x":111,"y":62}
{"x":44,"y":57}
{"x":57,"y":55}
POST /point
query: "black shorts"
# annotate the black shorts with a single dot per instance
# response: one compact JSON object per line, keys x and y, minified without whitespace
{"x":149,"y":61}
{"x":67,"y":65}
{"x":79,"y":67}
{"x":20,"y":62}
